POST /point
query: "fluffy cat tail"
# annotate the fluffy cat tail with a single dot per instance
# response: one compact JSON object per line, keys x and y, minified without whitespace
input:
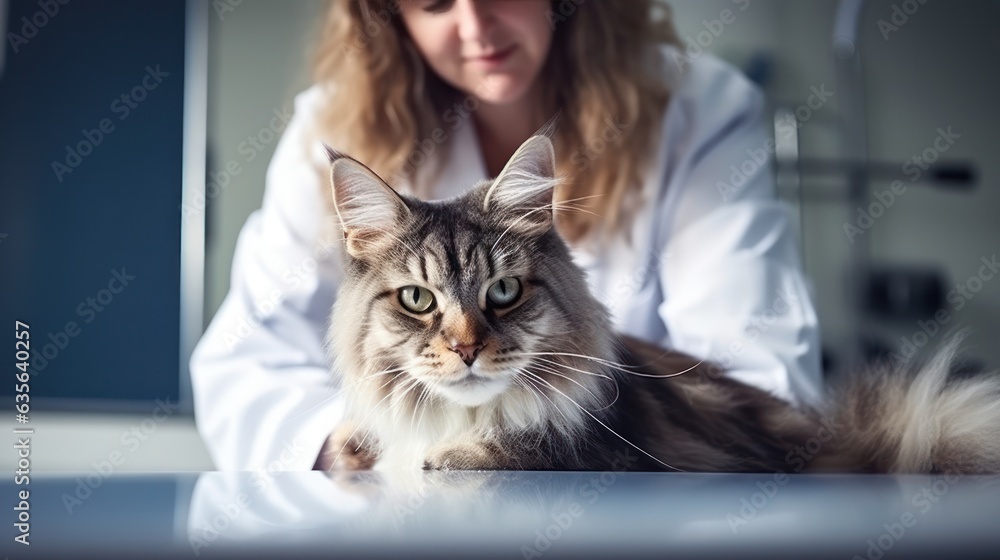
{"x":892,"y":419}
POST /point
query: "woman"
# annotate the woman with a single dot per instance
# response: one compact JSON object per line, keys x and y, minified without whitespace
{"x":664,"y":156}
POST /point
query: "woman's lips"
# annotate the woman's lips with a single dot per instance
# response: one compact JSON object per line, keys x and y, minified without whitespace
{"x":494,"y":59}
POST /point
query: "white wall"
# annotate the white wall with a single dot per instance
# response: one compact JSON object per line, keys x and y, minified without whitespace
{"x":259,"y":60}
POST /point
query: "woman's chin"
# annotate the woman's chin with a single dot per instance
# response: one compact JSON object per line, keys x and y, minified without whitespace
{"x":500,"y":89}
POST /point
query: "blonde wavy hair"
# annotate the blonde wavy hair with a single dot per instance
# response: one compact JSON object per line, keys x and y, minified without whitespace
{"x":600,"y":76}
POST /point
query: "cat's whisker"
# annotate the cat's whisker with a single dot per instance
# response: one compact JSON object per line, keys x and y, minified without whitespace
{"x":598,"y":420}
{"x":393,"y":375}
{"x":383,"y":372}
{"x":582,"y":211}
{"x":555,"y":363}
{"x":397,"y":403}
{"x":568,"y":204}
{"x":573,"y":355}
{"x":675,"y":374}
{"x":539,"y":391}
{"x":409,"y":383}
{"x":499,"y":258}
{"x":615,"y":365}
{"x":596,"y":398}
{"x":427,"y":404}
{"x":521,"y":383}
{"x":507,"y":249}
{"x":512,"y":224}
{"x":314,"y":407}
{"x":386,"y":232}
{"x":615,"y":381}
{"x":563,"y":206}
{"x":663,"y":354}
{"x":618,"y":393}
{"x":364,"y":438}
{"x":410,"y":389}
{"x":552,"y":371}
{"x":637,"y":373}
{"x":602,"y":195}
{"x":361,"y":423}
{"x":387,"y":381}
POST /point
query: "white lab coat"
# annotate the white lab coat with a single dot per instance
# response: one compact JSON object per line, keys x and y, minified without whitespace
{"x":713,"y":272}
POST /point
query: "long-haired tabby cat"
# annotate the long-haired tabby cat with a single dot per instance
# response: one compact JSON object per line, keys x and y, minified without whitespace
{"x":468,"y":339}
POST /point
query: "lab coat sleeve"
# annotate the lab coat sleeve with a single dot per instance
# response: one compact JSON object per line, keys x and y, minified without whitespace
{"x":264,"y":394}
{"x":733,"y":288}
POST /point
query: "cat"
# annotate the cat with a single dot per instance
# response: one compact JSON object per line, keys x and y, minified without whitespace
{"x":467,"y":338}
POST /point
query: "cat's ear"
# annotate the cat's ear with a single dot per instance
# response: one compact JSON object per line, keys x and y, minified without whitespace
{"x":370,"y":212}
{"x":521,"y":195}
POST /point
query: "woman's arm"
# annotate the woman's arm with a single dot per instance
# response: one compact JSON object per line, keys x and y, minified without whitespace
{"x":734,"y":290}
{"x":265,"y":397}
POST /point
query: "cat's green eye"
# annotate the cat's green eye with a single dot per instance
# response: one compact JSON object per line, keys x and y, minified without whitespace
{"x":416,"y":299}
{"x":504,"y":292}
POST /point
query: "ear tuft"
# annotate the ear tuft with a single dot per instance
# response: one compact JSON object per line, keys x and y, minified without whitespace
{"x":331,"y":154}
{"x":521,"y":195}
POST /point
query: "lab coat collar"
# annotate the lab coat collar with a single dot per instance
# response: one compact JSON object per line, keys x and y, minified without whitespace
{"x":464,"y":166}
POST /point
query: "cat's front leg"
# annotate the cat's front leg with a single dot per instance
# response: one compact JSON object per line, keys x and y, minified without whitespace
{"x":346,"y":449}
{"x":466,"y":455}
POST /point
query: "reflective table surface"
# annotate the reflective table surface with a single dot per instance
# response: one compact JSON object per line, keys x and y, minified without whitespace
{"x":505,"y":515}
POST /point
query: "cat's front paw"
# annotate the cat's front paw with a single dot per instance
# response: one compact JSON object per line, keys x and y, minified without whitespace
{"x":461,"y":456}
{"x":344,"y":450}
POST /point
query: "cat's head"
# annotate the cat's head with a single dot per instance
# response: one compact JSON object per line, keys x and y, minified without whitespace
{"x":465,"y":299}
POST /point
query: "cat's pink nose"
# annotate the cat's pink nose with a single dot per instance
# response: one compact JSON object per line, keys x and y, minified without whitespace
{"x":467,"y":352}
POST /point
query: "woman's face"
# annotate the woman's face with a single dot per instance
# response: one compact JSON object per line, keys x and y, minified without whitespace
{"x":492,"y":49}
